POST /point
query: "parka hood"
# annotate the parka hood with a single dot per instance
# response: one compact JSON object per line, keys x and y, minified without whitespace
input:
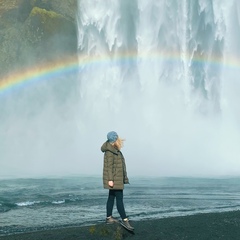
{"x":108,"y":147}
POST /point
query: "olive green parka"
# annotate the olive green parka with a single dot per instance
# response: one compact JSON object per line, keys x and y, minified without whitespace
{"x":114,"y":167}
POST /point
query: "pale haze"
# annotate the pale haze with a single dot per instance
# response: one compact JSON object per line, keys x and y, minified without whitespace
{"x":162,"y":74}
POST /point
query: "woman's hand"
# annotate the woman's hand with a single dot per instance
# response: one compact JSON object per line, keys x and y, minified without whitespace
{"x":110,"y":183}
{"x":126,"y":181}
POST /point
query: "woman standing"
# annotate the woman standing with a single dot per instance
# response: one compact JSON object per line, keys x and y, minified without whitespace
{"x":114,"y":177}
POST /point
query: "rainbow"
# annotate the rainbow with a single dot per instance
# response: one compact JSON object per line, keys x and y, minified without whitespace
{"x":73,"y":64}
{"x":38,"y":73}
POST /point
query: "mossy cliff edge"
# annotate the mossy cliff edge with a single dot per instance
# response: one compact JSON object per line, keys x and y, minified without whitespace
{"x":35,"y":31}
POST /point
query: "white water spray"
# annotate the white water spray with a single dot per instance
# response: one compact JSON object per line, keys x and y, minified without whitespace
{"x":168,"y":101}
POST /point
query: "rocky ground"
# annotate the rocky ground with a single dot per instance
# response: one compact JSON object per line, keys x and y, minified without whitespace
{"x":214,"y":226}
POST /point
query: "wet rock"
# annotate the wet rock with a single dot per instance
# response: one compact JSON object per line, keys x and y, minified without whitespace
{"x":33,"y":31}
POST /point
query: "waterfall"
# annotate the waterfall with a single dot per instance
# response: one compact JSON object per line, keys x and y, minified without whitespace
{"x":162,"y":73}
{"x":160,"y":78}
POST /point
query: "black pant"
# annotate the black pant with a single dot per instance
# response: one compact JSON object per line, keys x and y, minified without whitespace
{"x":110,"y":202}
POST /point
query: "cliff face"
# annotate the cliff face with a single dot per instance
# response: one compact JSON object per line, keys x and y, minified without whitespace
{"x":35,"y":31}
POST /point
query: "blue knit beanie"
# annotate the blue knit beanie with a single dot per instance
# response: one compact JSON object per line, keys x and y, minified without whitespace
{"x":112,"y":137}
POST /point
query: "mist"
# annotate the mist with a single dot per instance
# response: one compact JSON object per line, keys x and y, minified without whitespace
{"x":162,"y":75}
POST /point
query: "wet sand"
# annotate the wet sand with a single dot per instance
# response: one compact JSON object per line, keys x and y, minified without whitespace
{"x":206,"y":226}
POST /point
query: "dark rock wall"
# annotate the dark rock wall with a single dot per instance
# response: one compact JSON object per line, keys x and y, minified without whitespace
{"x":36,"y":31}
